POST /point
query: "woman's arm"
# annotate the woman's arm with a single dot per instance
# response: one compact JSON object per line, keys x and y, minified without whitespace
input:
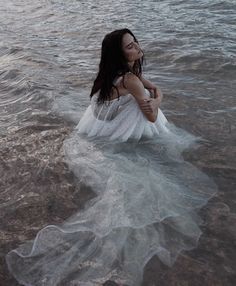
{"x":156,"y":99}
{"x":134,"y":85}
{"x":153,"y":89}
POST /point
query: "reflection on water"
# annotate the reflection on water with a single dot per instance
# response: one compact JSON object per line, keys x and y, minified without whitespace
{"x":49,"y":53}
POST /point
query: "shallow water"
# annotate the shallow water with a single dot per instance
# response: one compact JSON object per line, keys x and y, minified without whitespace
{"x":49,"y":52}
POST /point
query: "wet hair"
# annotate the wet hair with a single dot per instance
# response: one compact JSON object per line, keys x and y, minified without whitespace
{"x":113,"y":64}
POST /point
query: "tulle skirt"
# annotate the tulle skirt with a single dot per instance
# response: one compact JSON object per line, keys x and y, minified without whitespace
{"x":146,"y":199}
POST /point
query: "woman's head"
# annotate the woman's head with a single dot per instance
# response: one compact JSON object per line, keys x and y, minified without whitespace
{"x":121,"y":49}
{"x":120,"y":53}
{"x":130,"y":48}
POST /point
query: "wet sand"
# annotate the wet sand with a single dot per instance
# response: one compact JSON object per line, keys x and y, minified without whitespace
{"x":38,"y":189}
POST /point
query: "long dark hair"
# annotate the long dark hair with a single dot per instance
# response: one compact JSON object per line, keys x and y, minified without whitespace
{"x":112,"y":64}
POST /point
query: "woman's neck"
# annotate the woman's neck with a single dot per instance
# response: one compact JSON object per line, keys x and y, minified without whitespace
{"x":131,"y":65}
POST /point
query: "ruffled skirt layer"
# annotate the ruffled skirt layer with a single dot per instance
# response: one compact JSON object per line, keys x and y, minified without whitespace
{"x":146,"y":203}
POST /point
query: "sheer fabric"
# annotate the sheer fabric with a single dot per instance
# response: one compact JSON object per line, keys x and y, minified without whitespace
{"x":146,"y":203}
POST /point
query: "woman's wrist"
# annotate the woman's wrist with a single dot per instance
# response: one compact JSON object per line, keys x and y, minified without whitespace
{"x":158,"y":93}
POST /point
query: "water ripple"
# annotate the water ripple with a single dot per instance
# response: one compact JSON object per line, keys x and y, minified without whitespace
{"x":49,"y":53}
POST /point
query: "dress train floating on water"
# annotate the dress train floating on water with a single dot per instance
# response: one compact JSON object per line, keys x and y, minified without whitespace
{"x":146,"y":199}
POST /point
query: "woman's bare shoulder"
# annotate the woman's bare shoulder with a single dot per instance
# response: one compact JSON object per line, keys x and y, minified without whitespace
{"x":132,"y":81}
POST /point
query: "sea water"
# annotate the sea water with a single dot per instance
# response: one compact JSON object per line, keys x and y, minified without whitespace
{"x":49,"y":54}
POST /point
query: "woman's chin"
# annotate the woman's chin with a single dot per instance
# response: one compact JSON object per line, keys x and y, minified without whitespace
{"x":140,"y":54}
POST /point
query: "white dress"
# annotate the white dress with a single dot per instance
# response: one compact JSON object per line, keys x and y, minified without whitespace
{"x":145,"y":204}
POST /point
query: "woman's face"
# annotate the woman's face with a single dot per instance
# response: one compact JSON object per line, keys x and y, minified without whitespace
{"x":131,"y":48}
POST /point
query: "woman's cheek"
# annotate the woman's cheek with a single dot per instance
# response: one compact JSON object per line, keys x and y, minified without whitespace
{"x":130,"y":56}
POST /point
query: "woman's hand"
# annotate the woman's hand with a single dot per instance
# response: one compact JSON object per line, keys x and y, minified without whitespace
{"x":156,"y":92}
{"x":152,"y":88}
{"x":152,"y":104}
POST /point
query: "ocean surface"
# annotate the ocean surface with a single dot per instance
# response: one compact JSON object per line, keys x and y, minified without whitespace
{"x":49,"y":54}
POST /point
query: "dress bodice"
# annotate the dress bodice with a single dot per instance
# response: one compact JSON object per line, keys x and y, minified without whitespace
{"x":119,"y":119}
{"x":110,"y":109}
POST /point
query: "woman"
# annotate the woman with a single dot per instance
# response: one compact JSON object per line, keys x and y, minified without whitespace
{"x":146,"y":195}
{"x":121,"y":91}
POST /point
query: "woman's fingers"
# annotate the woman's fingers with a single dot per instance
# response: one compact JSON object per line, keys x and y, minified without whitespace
{"x":158,"y":93}
{"x":146,"y":106}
